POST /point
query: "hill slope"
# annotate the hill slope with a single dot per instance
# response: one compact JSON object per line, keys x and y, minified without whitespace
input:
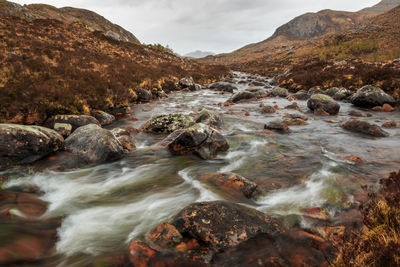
{"x":300,"y":30}
{"x":49,"y":67}
{"x":90,"y":19}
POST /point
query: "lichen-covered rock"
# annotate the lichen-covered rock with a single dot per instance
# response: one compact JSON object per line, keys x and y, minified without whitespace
{"x":126,"y":137}
{"x":209,"y":117}
{"x":103,"y":117}
{"x":233,"y":184}
{"x":359,"y":126}
{"x":199,"y":139}
{"x":324,"y":102}
{"x":342,"y":94}
{"x":164,"y":236}
{"x":222,"y":225}
{"x":167,"y":123}
{"x":277,"y":126}
{"x":223,"y":87}
{"x":93,"y":144}
{"x":371,"y":96}
{"x":239,"y":96}
{"x":76,"y":121}
{"x":63,"y":129}
{"x":279,"y":91}
{"x":331,"y":91}
{"x":21,"y":144}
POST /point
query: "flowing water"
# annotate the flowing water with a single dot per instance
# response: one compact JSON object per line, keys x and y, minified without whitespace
{"x":103,"y":208}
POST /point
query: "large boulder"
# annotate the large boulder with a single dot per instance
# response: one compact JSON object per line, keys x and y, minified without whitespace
{"x":93,"y":144}
{"x":199,"y":139}
{"x":239,"y":96}
{"x":222,"y":225}
{"x":371,"y":96}
{"x":103,"y":117}
{"x":323,"y":102}
{"x":209,"y":117}
{"x":364,"y":127}
{"x":279,"y":91}
{"x":21,"y":144}
{"x":167,"y":123}
{"x":75,"y":121}
{"x":223,"y":87}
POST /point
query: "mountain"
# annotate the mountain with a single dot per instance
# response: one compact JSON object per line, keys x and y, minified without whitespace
{"x":91,"y":20}
{"x":53,"y":67}
{"x":300,"y":30}
{"x":199,"y":54}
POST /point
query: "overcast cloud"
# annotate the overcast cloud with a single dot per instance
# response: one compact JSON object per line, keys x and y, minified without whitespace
{"x":208,"y":25}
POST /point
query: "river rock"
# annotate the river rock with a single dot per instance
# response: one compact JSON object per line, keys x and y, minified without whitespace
{"x":63,"y":129}
{"x":359,"y":126}
{"x":167,"y":123}
{"x":324,"y":102}
{"x":199,"y":139}
{"x":93,"y":144}
{"x":301,"y":95}
{"x":279,"y":91}
{"x":277,"y":126}
{"x":342,"y":94}
{"x":126,"y":137}
{"x":331,"y":91}
{"x":221,"y":224}
{"x":75,"y":121}
{"x":223,"y":87}
{"x":103,"y":117}
{"x":143,"y":95}
{"x":371,"y":96}
{"x":267,"y":110}
{"x":21,"y":144}
{"x":209,"y":117}
{"x":233,"y":184}
{"x":188,"y":83}
{"x":239,"y":96}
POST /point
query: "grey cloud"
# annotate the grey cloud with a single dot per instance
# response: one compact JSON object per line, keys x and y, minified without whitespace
{"x":208,"y":25}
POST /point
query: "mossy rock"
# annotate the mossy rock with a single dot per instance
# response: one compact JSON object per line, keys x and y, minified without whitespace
{"x":167,"y":123}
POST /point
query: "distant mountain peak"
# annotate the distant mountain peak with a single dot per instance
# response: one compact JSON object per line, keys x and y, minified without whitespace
{"x":199,"y":54}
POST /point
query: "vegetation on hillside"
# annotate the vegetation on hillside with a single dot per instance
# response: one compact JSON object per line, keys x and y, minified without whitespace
{"x":49,"y":67}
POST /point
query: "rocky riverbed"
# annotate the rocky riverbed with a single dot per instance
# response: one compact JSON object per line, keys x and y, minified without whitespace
{"x":240,"y":173}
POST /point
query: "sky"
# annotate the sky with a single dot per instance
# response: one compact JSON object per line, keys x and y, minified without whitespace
{"x":218,"y":26}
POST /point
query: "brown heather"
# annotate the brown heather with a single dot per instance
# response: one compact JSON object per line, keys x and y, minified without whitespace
{"x":378,"y":244}
{"x":50,"y":67}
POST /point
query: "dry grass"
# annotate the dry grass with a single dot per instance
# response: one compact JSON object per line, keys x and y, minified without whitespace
{"x":379,"y":243}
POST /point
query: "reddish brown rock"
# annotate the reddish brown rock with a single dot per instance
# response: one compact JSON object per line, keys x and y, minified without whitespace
{"x":267,"y":110}
{"x":316,"y":213}
{"x":295,"y":122}
{"x":233,"y":184}
{"x":294,"y":105}
{"x":320,"y":112}
{"x":277,"y":126}
{"x":140,"y":253}
{"x":247,"y":114}
{"x":384,"y":108}
{"x":359,"y":126}
{"x":165,"y":236}
{"x":31,"y":205}
{"x":390,"y":124}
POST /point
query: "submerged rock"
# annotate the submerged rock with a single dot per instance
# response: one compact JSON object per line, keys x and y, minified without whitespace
{"x":233,"y":184}
{"x":76,"y":121}
{"x":324,"y":102}
{"x":359,"y":126}
{"x":199,"y":139}
{"x":209,"y":117}
{"x":92,"y":144}
{"x":167,"y":123}
{"x":279,"y":91}
{"x":221,"y":224}
{"x":103,"y":117}
{"x":371,"y":96}
{"x":267,"y":110}
{"x":20,"y":144}
{"x":277,"y":126}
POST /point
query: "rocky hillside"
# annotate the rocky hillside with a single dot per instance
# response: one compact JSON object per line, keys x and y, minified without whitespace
{"x":49,"y":67}
{"x":91,"y":20}
{"x":301,"y":30}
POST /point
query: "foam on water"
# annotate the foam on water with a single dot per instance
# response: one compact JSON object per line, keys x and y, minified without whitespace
{"x":205,"y":194}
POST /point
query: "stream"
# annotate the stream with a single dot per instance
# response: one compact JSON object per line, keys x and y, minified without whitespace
{"x":100,"y":209}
